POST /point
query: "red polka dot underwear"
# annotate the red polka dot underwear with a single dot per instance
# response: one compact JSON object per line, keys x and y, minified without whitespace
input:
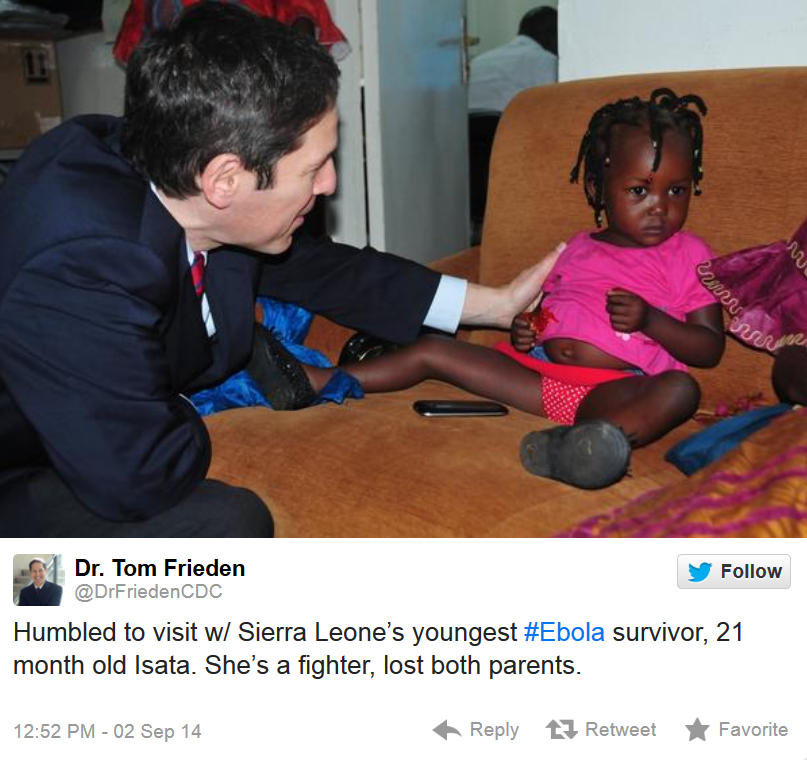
{"x":562,"y":399}
{"x":563,"y":386}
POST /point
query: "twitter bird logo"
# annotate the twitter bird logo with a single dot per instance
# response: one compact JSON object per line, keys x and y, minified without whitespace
{"x":699,"y":573}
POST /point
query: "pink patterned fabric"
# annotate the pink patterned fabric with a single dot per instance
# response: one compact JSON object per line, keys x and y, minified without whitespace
{"x":764,"y":291}
{"x":758,"y":489}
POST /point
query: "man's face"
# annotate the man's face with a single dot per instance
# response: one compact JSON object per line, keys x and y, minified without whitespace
{"x":38,"y":573}
{"x":265,"y":220}
{"x":644,"y":208}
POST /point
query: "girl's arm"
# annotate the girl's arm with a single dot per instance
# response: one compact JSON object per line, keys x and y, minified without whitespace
{"x":698,"y":342}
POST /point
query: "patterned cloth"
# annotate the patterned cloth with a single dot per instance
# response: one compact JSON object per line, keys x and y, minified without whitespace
{"x":562,"y":399}
{"x":757,"y":490}
{"x":198,"y":273}
{"x":764,"y":291}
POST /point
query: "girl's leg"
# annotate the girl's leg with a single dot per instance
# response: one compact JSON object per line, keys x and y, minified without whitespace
{"x":790,"y":374}
{"x":646,"y":408}
{"x":477,"y":369}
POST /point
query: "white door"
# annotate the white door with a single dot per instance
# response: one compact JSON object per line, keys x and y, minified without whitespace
{"x":416,"y":134}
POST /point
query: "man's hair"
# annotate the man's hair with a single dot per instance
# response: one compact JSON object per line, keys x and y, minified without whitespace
{"x":664,"y":111}
{"x":222,"y":80}
{"x":542,"y":25}
{"x":34,"y":561}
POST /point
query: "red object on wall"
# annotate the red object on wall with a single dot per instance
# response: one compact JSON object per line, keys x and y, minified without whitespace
{"x":146,"y":16}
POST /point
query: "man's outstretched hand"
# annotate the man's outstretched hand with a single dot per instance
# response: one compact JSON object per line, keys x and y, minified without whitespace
{"x":498,"y":307}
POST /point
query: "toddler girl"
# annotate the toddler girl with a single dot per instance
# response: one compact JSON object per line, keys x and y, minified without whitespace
{"x":623,"y":312}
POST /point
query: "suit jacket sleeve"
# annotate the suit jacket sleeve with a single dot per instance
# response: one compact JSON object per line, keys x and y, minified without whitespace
{"x":378,"y":293}
{"x":25,"y":597}
{"x":55,"y":597}
{"x":84,"y":359}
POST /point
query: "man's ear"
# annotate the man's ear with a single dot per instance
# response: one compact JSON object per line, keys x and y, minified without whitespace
{"x":221,"y":178}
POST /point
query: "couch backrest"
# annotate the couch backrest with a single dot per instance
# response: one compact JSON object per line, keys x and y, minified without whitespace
{"x":754,"y":185}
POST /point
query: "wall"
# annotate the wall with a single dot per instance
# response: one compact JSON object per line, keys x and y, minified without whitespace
{"x":21,"y":561}
{"x":347,"y":213}
{"x":598,"y":39}
{"x":92,"y":82}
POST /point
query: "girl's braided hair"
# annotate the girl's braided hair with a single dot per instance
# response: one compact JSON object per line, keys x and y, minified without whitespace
{"x":663,"y":111}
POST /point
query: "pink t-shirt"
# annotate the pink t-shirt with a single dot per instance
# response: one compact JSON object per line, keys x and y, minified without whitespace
{"x":664,"y":276}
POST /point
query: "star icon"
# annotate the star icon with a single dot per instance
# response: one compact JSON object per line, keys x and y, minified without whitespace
{"x":697,"y":730}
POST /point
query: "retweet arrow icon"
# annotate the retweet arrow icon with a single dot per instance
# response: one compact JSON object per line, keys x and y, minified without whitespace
{"x":571,"y":733}
{"x":554,"y":726}
{"x":444,"y":730}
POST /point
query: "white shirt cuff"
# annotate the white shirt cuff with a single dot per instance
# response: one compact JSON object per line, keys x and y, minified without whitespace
{"x":446,"y":309}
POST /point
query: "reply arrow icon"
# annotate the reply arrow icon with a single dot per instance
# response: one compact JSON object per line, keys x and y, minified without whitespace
{"x":444,"y":730}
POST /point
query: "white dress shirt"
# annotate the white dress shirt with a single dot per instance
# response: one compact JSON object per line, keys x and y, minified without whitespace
{"x":496,"y":76}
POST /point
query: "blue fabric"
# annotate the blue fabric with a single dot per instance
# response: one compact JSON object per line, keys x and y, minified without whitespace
{"x":290,"y":324}
{"x":539,"y":353}
{"x":700,"y":449}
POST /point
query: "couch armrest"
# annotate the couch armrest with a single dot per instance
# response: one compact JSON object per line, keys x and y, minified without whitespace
{"x":328,"y":337}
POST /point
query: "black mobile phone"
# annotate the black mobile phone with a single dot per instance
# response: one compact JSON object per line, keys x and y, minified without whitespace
{"x":432,"y":408}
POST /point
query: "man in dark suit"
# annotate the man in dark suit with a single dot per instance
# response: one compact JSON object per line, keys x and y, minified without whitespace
{"x":131,"y":253}
{"x":40,"y":593}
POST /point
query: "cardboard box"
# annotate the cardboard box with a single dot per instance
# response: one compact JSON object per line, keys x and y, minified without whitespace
{"x":31,"y":101}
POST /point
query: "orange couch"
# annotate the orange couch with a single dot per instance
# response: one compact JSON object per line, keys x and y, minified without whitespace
{"x":375,"y":468}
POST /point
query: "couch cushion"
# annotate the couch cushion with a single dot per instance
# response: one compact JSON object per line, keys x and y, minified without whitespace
{"x":376,"y":468}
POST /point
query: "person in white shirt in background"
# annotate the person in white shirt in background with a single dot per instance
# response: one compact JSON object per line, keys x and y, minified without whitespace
{"x":529,"y":60}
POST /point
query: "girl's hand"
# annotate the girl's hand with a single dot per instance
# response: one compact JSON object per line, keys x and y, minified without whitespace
{"x":522,"y":336}
{"x":629,"y":312}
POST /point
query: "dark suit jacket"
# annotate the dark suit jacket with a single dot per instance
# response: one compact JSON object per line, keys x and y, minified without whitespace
{"x":50,"y":595}
{"x":101,"y":334}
